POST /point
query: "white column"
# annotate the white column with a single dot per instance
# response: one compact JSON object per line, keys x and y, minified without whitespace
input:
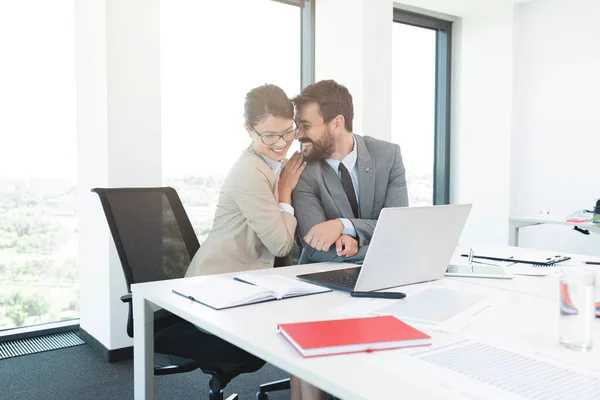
{"x":119,"y":143}
{"x":353,"y":46}
{"x":482,"y":55}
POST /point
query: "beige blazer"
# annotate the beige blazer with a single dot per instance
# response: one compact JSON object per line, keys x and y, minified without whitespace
{"x":249,"y":229}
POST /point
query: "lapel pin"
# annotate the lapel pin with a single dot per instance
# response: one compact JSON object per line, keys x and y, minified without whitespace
{"x":367,"y":169}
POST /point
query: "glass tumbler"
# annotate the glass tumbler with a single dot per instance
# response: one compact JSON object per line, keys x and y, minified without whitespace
{"x":577,"y":301}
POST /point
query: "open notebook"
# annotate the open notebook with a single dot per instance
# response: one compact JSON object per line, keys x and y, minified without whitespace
{"x":220,"y":292}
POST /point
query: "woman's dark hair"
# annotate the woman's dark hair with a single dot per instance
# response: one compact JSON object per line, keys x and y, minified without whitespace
{"x":267,"y":101}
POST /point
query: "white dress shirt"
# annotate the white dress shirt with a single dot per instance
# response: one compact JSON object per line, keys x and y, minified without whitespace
{"x":350,"y":163}
{"x":277,"y":166}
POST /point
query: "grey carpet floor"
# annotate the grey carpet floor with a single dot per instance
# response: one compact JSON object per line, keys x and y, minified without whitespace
{"x":78,"y":373}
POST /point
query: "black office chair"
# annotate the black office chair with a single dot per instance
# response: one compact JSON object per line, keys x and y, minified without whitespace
{"x":155,"y":241}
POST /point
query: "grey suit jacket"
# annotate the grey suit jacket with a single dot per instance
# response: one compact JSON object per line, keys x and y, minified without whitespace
{"x":319,"y":195}
{"x":249,"y":228}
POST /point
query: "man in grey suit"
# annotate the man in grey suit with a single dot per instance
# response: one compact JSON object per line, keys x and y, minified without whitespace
{"x":349,"y":178}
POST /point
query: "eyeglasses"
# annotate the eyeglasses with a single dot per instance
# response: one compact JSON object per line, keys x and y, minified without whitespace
{"x":272,"y":139}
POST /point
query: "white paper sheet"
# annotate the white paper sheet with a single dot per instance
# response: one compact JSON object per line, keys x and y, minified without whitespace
{"x":482,"y":369}
{"x":477,"y":365}
{"x":542,"y":270}
{"x":530,"y":270}
{"x":440,"y":309}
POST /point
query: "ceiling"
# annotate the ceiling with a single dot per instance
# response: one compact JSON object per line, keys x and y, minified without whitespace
{"x":458,"y":7}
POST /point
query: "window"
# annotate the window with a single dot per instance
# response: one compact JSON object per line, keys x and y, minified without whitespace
{"x":420,"y":104}
{"x":210,"y":58}
{"x":39,"y":276}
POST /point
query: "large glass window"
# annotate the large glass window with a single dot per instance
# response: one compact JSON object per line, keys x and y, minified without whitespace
{"x":211,"y":56}
{"x":39,"y":276}
{"x":420,"y":106}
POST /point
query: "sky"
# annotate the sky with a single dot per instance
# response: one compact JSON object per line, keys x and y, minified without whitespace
{"x":209,"y":61}
{"x":413,"y":95}
{"x":37,"y":89}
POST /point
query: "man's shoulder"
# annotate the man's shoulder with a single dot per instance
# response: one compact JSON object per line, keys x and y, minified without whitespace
{"x":312,"y":170}
{"x":313,"y":165}
{"x":378,"y":147}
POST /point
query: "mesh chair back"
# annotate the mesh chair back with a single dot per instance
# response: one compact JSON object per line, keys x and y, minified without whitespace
{"x":151,"y":230}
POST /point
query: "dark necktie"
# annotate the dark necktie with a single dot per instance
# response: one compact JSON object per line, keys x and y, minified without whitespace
{"x":349,"y":188}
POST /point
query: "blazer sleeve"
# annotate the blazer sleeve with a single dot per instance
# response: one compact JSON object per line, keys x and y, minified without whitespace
{"x":396,"y":196}
{"x":309,"y":212}
{"x":254,"y":197}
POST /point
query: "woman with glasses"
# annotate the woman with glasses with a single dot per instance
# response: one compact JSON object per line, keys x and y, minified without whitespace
{"x":254,"y":222}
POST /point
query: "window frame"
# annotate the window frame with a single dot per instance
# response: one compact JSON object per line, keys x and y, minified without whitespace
{"x":442,"y":131}
{"x":307,"y":45}
{"x":307,"y":39}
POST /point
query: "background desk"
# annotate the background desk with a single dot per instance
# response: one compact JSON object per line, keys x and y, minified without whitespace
{"x":516,"y":223}
{"x":527,"y":319}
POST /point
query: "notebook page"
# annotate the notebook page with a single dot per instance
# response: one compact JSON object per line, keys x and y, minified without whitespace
{"x":281,"y":286}
{"x":220,"y":292}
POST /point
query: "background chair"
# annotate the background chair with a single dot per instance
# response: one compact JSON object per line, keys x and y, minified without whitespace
{"x":155,"y":241}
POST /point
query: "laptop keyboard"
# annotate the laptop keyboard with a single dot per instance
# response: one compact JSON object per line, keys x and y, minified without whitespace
{"x":345,"y":280}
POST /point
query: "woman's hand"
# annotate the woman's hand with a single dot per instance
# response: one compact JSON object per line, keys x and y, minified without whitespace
{"x":288,"y":179}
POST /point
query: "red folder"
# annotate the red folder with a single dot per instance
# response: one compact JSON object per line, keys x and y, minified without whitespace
{"x":320,"y":338}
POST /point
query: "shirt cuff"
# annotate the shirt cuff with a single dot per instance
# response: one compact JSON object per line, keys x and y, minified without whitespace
{"x":285,"y":207}
{"x":348,"y":227}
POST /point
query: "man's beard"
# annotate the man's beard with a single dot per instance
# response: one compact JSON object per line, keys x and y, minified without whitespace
{"x":322,"y":149}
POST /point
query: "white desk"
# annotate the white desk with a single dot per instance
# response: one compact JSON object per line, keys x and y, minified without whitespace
{"x":527,"y":319}
{"x":516,"y":223}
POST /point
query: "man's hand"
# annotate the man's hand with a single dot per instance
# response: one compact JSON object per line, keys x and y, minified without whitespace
{"x":346,"y":245}
{"x":323,"y":235}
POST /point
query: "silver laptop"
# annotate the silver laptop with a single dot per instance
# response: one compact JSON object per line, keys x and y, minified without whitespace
{"x":409,"y":245}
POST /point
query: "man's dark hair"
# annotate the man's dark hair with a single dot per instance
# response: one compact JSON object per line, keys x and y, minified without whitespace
{"x":332,"y":98}
{"x":267,"y":101}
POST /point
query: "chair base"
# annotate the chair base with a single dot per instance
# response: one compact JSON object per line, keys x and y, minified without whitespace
{"x":219,"y":396}
{"x":283,"y":384}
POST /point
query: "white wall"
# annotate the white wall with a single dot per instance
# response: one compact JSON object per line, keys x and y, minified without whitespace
{"x":119,"y":144}
{"x":353,"y":47}
{"x":92,"y":149}
{"x":481,"y":120}
{"x":556,"y":119}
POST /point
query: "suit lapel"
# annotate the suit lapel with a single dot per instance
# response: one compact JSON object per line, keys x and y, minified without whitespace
{"x":366,"y":179}
{"x":336,"y":190}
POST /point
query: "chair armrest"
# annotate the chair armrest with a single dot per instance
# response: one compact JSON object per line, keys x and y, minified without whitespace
{"x":126,"y":298}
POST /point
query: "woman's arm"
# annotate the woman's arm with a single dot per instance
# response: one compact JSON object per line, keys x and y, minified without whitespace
{"x":252,"y":192}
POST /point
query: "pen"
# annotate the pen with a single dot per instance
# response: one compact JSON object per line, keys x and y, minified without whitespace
{"x":592,"y":262}
{"x":379,"y":295}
